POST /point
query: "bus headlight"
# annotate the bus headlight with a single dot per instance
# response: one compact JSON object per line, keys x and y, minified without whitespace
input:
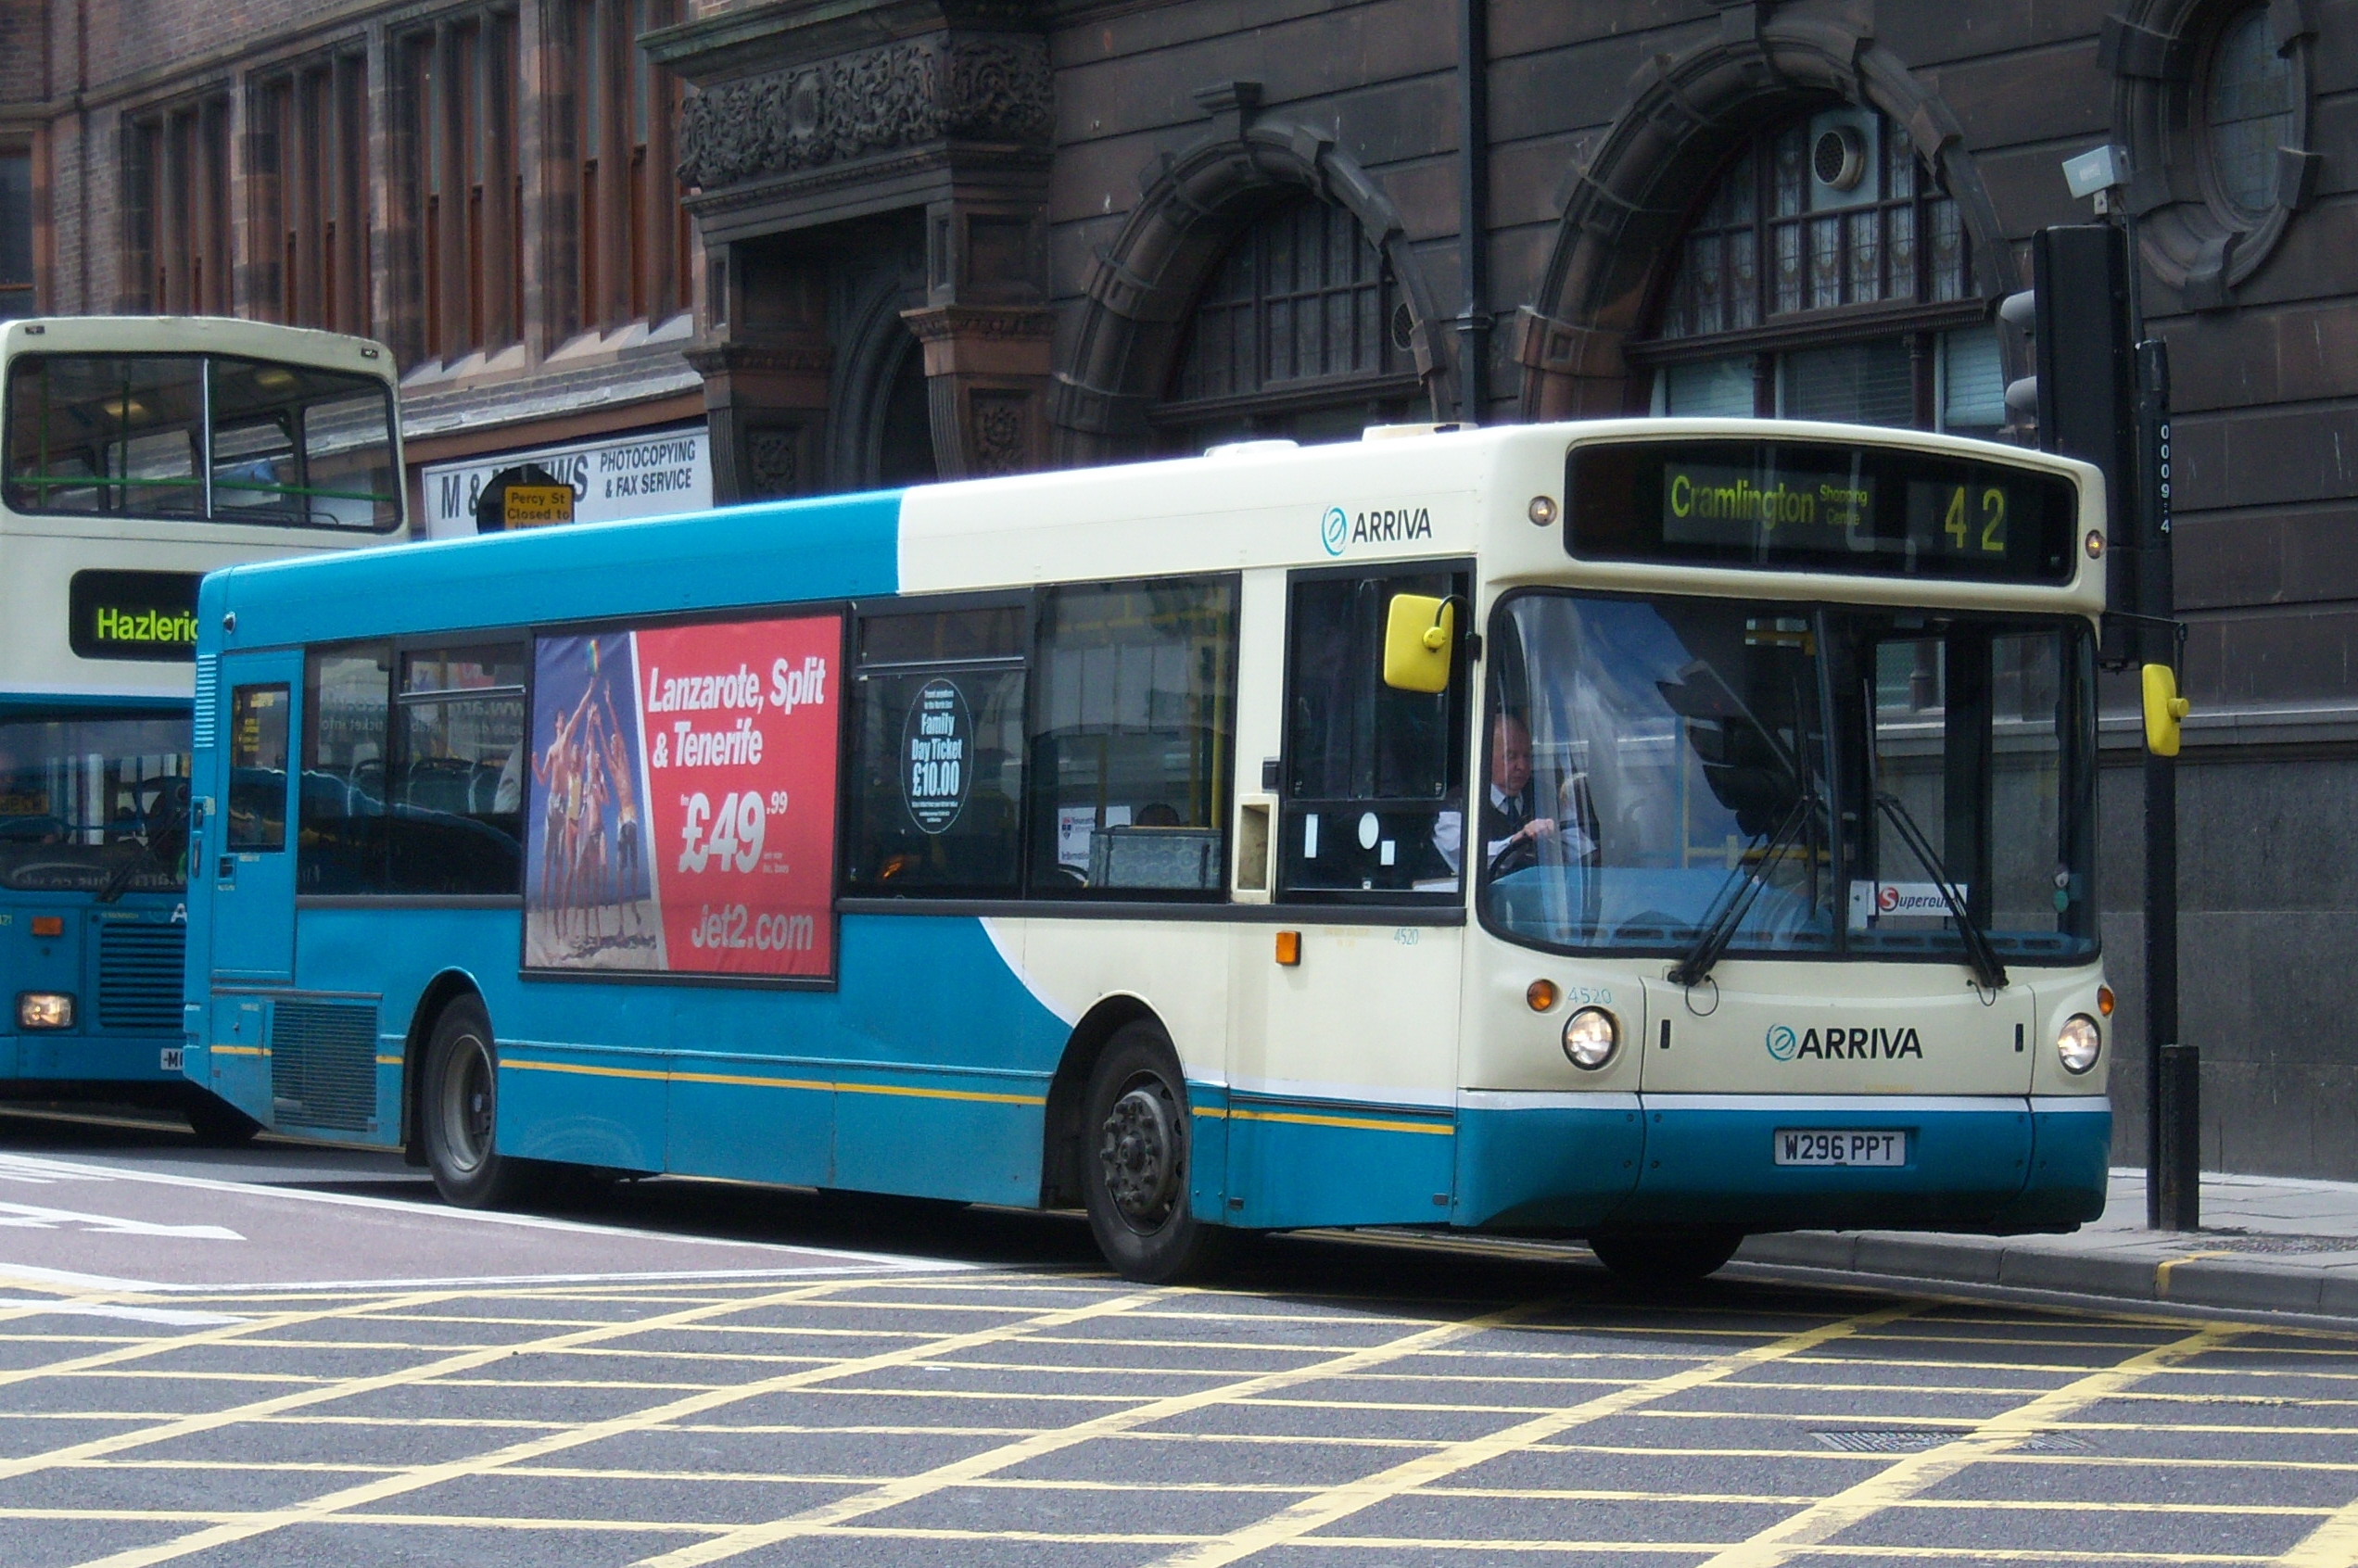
{"x":44,"y":1009}
{"x":2078,"y":1042}
{"x":1590,"y":1036}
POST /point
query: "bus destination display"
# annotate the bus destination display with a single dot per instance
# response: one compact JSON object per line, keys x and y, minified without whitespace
{"x":132,"y":615}
{"x":682,"y":809}
{"x":1786,"y":506}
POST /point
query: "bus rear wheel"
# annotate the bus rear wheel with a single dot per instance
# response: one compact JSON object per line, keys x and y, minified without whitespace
{"x":458,"y":1111}
{"x":1138,"y":1141}
{"x":1681,"y":1255}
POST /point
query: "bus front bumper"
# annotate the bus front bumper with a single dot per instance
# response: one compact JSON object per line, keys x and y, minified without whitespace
{"x":32,"y":1062}
{"x":1995,"y":1163}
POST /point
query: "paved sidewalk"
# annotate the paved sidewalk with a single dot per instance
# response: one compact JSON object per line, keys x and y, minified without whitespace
{"x":2268,"y":1243}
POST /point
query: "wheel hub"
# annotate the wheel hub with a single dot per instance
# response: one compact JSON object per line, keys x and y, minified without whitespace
{"x":1139,"y":1149}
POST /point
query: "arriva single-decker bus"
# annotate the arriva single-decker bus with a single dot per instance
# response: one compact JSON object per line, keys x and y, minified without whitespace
{"x":1651,"y":831}
{"x":136,"y":454}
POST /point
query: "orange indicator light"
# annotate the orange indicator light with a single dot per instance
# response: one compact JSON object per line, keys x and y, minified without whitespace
{"x":48,"y":925}
{"x":2104,"y":1000}
{"x":1541,"y":995}
{"x":1290,"y":948}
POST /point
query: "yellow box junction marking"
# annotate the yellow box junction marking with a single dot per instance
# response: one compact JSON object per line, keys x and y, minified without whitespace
{"x":1353,"y":1497}
{"x":1907,"y":1477}
{"x":422,"y":1476}
{"x":829,"y":1517}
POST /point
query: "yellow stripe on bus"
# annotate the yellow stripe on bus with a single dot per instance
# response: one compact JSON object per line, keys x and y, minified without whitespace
{"x":240,"y":1050}
{"x":1306,"y":1120}
{"x":811,"y":1083}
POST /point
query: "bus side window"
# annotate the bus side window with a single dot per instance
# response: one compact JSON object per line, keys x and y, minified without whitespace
{"x":457,"y":788}
{"x":1375,"y":776}
{"x":934,"y":804}
{"x":1134,"y":739}
{"x":257,"y":766}
{"x":340,"y":806}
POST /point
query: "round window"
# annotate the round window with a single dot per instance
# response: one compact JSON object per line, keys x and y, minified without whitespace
{"x":2247,"y":105}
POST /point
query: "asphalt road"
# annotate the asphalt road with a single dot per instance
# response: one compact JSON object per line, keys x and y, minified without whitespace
{"x":285,"y":1356}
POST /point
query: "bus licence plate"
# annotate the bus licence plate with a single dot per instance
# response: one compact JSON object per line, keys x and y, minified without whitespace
{"x":1833,"y":1146}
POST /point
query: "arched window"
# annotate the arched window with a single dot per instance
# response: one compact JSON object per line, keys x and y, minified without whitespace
{"x":1300,"y":331}
{"x":2248,"y":104}
{"x":1827,"y":274}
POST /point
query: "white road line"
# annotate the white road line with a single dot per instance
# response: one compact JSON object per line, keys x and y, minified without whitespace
{"x":68,"y":1170}
{"x":178,"y":1318}
{"x":26,"y":1217}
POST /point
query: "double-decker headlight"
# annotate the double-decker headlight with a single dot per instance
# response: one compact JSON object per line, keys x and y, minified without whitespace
{"x":2079,"y":1043}
{"x":1590,"y":1036}
{"x":44,"y":1009}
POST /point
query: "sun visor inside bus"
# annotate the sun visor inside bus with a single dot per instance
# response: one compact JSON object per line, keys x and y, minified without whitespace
{"x":1807,"y":506}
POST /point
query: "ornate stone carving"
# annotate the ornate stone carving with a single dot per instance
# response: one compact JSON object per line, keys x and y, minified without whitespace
{"x":997,"y":420}
{"x":771,"y":463}
{"x":926,"y":90}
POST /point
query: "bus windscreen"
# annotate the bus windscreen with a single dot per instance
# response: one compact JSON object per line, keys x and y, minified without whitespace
{"x":1812,"y":507}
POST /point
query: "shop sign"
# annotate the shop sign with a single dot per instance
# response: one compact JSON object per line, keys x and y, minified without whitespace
{"x":647,"y":474}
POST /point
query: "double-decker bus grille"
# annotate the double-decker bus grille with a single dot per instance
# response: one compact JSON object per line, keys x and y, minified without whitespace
{"x":323,"y":1065}
{"x":139,"y":977}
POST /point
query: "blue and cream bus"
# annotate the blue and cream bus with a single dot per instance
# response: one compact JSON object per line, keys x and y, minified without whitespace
{"x":136,"y":454}
{"x":1651,"y":831}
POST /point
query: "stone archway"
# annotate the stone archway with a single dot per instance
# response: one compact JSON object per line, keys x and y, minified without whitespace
{"x":1686,"y":114}
{"x":1193,"y":204}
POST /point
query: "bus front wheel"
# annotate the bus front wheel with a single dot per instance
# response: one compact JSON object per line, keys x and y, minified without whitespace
{"x":1679,"y":1256}
{"x":460,"y":1110}
{"x":1137,"y":1142}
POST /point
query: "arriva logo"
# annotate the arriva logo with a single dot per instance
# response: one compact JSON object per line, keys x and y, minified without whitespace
{"x":1841,"y":1043}
{"x":1338,"y":530}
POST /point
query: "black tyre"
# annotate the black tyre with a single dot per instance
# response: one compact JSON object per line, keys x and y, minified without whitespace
{"x":1136,"y":1142}
{"x":1675,"y":1257}
{"x":458,"y":1112}
{"x":217,"y":1123}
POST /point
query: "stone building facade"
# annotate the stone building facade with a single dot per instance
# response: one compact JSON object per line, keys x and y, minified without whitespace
{"x":486,"y":186}
{"x":949,"y":237}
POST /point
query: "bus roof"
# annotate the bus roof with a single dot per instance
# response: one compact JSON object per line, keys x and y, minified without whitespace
{"x":1397,"y":495}
{"x":194,"y":334}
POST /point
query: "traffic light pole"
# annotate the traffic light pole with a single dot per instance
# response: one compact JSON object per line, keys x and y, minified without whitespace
{"x":2173,"y":1087}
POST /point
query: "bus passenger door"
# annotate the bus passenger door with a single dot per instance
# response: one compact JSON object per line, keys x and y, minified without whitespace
{"x":1343,"y":1066}
{"x":250,"y":835}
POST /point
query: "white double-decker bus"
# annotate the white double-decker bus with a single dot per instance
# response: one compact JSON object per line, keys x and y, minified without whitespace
{"x":136,"y":454}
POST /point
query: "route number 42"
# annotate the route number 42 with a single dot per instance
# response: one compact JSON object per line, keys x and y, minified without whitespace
{"x":1967,"y":514}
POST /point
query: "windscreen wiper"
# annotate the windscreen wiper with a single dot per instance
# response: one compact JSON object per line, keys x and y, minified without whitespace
{"x":1735,"y":898}
{"x":119,"y":882}
{"x":1979,"y":954}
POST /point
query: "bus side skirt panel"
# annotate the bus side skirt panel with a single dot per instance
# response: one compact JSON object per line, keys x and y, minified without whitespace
{"x":1548,"y":1166}
{"x":1304,"y":1162}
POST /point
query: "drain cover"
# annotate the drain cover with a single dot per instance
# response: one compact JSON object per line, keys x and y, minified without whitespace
{"x":1916,"y":1442}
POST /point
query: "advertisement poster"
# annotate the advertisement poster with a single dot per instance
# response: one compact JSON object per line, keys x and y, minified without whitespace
{"x":682,"y":817}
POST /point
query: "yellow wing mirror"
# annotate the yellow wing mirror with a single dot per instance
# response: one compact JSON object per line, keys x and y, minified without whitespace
{"x":1420,"y":636}
{"x":2164,"y":709}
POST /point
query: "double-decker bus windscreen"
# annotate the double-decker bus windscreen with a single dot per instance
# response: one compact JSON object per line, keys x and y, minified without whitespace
{"x":1813,"y":781}
{"x":209,"y":436}
{"x":1808,"y":506}
{"x":92,"y":804}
